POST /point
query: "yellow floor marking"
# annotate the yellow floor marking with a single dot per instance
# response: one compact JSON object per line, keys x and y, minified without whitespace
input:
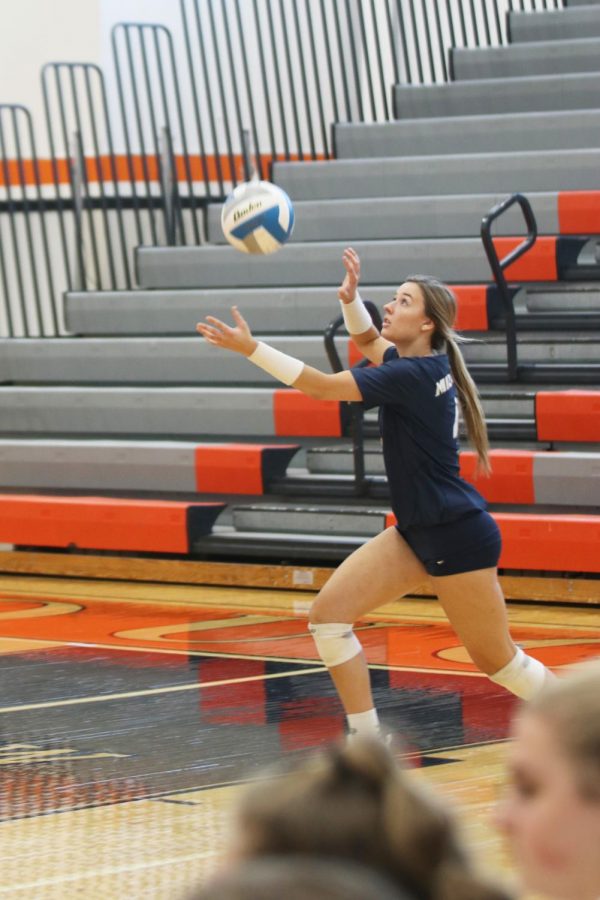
{"x":56,"y":756}
{"x":158,"y":633}
{"x":459,"y":654}
{"x":50,"y":608}
{"x":277,"y":600}
{"x":22,"y":645}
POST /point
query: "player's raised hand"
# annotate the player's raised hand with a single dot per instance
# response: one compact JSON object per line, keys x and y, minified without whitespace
{"x":351,"y":261}
{"x":239,"y":338}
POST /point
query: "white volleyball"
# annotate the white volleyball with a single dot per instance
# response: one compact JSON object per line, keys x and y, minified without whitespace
{"x":257,"y":217}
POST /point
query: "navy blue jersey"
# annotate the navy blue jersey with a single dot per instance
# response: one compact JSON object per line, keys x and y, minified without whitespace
{"x":418,"y":418}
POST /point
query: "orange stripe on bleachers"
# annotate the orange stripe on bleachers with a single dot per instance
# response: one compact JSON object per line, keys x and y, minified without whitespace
{"x":511,"y":480}
{"x":550,"y":543}
{"x":579,"y":212}
{"x":229,"y":469}
{"x":471,"y":314}
{"x":567,"y":415}
{"x":538,"y":264}
{"x":139,"y":168}
{"x":96,"y":523}
{"x":546,"y":542}
{"x":295,"y":414}
{"x":233,"y":468}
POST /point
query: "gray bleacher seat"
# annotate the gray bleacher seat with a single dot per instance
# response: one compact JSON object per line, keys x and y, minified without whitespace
{"x":405,"y":217}
{"x":566,"y":129}
{"x":285,"y":309}
{"x":552,"y":25}
{"x":510,"y":95}
{"x":475,"y":173}
{"x":570,"y":479}
{"x":147,"y":360}
{"x":539,"y":58}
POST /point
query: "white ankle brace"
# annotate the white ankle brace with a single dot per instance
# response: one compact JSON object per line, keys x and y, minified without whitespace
{"x":336,"y":642}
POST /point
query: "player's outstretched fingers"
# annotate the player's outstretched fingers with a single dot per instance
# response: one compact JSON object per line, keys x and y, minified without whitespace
{"x":238,"y":316}
{"x":218,"y":325}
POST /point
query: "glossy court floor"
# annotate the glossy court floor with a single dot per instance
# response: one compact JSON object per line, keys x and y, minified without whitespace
{"x":131,"y":715}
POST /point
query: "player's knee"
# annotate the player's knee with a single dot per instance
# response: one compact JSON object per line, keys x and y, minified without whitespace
{"x":320,"y":613}
{"x":335,"y":641}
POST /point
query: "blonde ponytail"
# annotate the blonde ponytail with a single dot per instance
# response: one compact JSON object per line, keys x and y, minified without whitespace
{"x":470,"y":403}
{"x":440,"y":307}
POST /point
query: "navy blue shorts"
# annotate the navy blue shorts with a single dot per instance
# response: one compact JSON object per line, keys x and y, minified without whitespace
{"x":464,"y":545}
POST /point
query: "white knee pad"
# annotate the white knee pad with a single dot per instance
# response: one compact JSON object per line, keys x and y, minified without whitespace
{"x":523,"y":675}
{"x":336,"y":642}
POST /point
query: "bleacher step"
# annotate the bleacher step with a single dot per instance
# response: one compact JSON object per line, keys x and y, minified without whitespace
{"x":435,"y":175}
{"x":489,"y":133}
{"x":192,"y":361}
{"x":567,"y":91}
{"x":552,"y":25}
{"x":295,"y":311}
{"x":392,"y":218}
{"x":454,"y":260}
{"x":146,"y":466}
{"x":536,"y":58}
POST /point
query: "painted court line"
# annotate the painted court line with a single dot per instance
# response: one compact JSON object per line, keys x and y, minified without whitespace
{"x":97,"y":873}
{"x":429,"y":670}
{"x":170,"y":652}
{"x":150,"y":692}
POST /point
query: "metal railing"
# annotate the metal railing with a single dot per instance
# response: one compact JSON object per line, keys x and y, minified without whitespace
{"x":286,"y":70}
{"x":499,"y":265}
{"x":30,"y":301}
{"x":152,"y":122}
{"x":276,"y":74}
{"x":87,"y":189}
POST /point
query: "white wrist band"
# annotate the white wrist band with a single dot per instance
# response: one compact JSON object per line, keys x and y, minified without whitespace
{"x":356,"y":317}
{"x":281,"y":366}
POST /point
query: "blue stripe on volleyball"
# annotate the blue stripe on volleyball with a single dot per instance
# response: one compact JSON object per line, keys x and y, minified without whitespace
{"x":270,"y":221}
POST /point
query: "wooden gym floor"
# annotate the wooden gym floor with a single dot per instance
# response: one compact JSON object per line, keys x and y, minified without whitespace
{"x":132,"y":714}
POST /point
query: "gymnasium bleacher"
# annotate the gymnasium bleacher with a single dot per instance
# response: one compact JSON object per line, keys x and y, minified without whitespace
{"x":134,"y":436}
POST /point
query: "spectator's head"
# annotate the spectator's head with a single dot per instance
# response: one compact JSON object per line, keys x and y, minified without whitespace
{"x":295,"y":878}
{"x":551,"y":813}
{"x":354,"y":803}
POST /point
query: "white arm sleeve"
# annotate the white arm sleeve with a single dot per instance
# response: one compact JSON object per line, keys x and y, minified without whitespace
{"x":281,"y":366}
{"x":356,"y":316}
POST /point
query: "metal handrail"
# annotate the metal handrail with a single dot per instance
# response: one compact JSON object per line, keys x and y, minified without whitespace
{"x":499,"y":265}
{"x":356,"y":409}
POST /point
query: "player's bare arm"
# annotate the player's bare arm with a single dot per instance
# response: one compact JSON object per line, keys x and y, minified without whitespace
{"x":239,"y":339}
{"x":369,"y":341}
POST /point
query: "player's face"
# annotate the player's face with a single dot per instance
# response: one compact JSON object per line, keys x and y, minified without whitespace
{"x":552,"y":828}
{"x":405,"y":319}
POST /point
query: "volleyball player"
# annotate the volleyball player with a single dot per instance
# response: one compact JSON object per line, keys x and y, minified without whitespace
{"x":443,"y":533}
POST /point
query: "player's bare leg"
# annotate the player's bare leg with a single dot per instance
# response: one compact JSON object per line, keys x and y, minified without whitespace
{"x":382,"y":570}
{"x":476,"y":609}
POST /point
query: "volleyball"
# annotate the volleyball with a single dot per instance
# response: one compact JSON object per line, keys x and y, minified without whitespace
{"x":257,"y":217}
